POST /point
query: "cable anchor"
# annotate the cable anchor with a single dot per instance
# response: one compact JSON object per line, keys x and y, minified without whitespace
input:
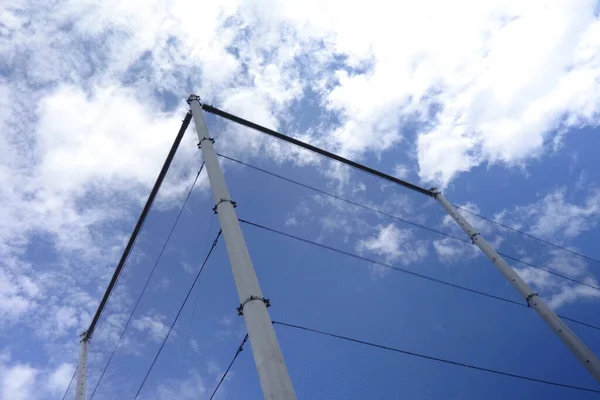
{"x":241,"y":348}
{"x":529,"y":297}
{"x":203,"y":139}
{"x":473,"y":236}
{"x":192,"y":98}
{"x":233,"y":203}
{"x":240,"y":309}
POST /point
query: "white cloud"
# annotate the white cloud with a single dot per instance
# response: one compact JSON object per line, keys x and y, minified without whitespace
{"x":555,"y":217}
{"x":452,"y":251}
{"x":15,"y":299}
{"x":299,"y":216}
{"x":152,"y":324}
{"x":190,"y":269}
{"x":401,"y":171}
{"x":566,"y":263}
{"x":107,"y":335}
{"x":506,"y":110}
{"x":386,"y":242}
{"x":395,"y":245}
{"x":59,"y":379}
{"x":18,"y":382}
{"x":556,"y":290}
{"x":113,"y":125}
{"x":162,"y":285}
{"x":228,"y":327}
{"x":502,"y":75}
{"x":536,"y":277}
{"x":191,"y":387}
{"x":340,"y":218}
{"x":572,"y":293}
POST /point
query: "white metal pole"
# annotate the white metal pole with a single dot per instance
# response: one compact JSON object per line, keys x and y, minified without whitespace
{"x":272,"y":372}
{"x":82,"y":369}
{"x":577,"y":347}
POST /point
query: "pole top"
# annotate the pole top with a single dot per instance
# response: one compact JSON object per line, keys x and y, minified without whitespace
{"x":192,"y":98}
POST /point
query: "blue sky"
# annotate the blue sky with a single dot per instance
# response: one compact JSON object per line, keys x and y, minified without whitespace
{"x":494,"y":102}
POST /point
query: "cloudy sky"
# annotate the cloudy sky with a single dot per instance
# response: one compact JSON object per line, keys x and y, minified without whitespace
{"x":495,"y":102}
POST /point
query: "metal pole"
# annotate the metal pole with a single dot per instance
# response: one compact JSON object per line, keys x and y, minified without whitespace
{"x":577,"y":347}
{"x":272,"y":372}
{"x":138,"y":226}
{"x":82,"y":368}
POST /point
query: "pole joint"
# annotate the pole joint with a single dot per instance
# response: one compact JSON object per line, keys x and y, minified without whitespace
{"x":529,"y":297}
{"x":192,"y":98}
{"x":240,"y":309}
{"x":215,"y":208}
{"x":434,"y":192}
{"x":203,"y":139}
{"x":473,"y":236}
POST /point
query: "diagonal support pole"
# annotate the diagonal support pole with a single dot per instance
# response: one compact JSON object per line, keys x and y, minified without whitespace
{"x":560,"y":329}
{"x":272,"y":372}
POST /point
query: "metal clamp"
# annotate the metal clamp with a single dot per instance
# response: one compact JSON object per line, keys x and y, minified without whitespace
{"x":203,"y":139}
{"x":473,"y":236}
{"x":233,"y":203}
{"x":192,"y":98}
{"x":240,"y":309}
{"x":529,"y":298}
{"x":434,"y":192}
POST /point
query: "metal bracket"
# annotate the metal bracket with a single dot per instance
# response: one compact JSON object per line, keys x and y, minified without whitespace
{"x":434,"y":192}
{"x":233,"y":203}
{"x":529,"y":298}
{"x":192,"y":98}
{"x":203,"y":139}
{"x":240,"y":309}
{"x":473,"y":236}
{"x":241,"y":348}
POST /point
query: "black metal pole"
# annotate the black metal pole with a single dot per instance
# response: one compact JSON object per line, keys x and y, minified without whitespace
{"x":138,"y":226}
{"x":353,"y":164}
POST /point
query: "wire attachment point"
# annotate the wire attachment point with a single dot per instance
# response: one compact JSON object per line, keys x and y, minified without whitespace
{"x":528,"y":299}
{"x":240,"y":309}
{"x":192,"y":98}
{"x":474,"y":236}
{"x":233,"y":203}
{"x":203,"y":139}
